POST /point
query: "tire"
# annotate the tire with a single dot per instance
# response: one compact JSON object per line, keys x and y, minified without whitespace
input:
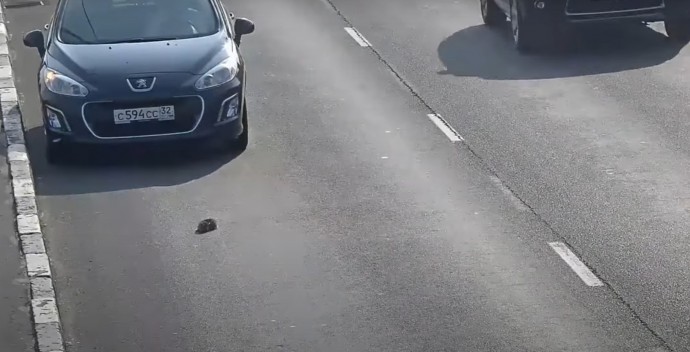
{"x":491,"y":13}
{"x":522,"y":40}
{"x":57,"y":153}
{"x":678,"y":29}
{"x":242,"y":141}
{"x":528,"y":34}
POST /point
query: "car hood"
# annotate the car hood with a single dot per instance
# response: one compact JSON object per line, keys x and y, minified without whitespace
{"x":193,"y":56}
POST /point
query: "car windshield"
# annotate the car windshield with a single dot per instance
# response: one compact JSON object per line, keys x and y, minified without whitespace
{"x":122,"y":21}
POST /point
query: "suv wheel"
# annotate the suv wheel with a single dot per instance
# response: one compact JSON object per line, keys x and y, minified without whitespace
{"x":491,"y":14}
{"x":529,"y":34}
{"x":678,"y":29}
{"x":523,"y":36}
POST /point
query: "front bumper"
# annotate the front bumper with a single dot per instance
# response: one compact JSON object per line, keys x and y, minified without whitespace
{"x":199,"y":115}
{"x":578,"y":11}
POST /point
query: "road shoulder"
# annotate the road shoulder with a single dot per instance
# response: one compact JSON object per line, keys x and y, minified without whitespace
{"x":15,"y":330}
{"x":43,"y":306}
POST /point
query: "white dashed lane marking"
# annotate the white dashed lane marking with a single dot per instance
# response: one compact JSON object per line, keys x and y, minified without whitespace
{"x":358,"y":37}
{"x":576,"y":264}
{"x":445,"y":127}
{"x":585,"y":274}
{"x":45,"y":310}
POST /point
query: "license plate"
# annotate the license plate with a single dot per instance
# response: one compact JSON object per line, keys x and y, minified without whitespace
{"x":158,"y":113}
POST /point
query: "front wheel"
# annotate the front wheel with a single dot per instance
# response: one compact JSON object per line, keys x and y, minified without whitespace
{"x":532,"y":31}
{"x":491,"y":14}
{"x":242,"y":141}
{"x":678,"y":29}
{"x":524,"y":34}
{"x":56,"y":152}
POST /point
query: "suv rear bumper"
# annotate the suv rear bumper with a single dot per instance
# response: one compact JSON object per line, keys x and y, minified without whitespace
{"x":563,"y":11}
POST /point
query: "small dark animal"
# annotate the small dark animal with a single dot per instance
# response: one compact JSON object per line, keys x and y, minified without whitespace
{"x":205,"y":226}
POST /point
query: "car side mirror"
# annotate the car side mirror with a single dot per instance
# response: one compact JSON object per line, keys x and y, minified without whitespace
{"x":35,"y":39}
{"x":243,"y":26}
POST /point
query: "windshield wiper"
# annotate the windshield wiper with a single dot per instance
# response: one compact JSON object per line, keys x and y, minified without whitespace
{"x":141,"y":40}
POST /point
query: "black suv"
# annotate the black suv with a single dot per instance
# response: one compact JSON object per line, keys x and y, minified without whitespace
{"x":534,"y":22}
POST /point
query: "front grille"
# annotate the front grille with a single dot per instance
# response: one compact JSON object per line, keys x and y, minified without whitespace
{"x":598,"y":6}
{"x":100,"y":119}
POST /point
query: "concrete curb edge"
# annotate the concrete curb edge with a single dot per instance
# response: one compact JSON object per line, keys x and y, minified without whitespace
{"x":44,"y":312}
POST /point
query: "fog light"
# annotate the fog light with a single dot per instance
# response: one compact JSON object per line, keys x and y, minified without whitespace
{"x":53,"y":119}
{"x":540,"y":5}
{"x":231,"y":106}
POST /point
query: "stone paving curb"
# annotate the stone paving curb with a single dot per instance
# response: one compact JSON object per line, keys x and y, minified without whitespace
{"x":44,"y":310}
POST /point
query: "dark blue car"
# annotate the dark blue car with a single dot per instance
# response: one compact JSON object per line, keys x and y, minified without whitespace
{"x":123,"y":71}
{"x":536,"y":24}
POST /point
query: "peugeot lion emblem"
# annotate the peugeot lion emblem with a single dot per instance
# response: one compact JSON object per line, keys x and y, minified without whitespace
{"x":141,"y":84}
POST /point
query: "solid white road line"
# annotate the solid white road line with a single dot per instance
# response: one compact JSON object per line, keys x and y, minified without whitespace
{"x":445,"y":127}
{"x":44,"y":307}
{"x":576,"y":264}
{"x":358,"y":37}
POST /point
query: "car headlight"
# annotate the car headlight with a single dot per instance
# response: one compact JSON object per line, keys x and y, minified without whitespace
{"x":58,"y":83}
{"x":222,"y":73}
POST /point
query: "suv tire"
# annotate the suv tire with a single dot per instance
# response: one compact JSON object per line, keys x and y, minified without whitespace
{"x":525,"y":32}
{"x":678,"y":29}
{"x":491,"y":14}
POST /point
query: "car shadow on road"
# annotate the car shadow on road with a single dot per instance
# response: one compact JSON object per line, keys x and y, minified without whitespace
{"x":488,"y":53}
{"x":100,"y":169}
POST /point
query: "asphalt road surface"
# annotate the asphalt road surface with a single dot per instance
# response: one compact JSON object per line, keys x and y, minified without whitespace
{"x":352,"y":223}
